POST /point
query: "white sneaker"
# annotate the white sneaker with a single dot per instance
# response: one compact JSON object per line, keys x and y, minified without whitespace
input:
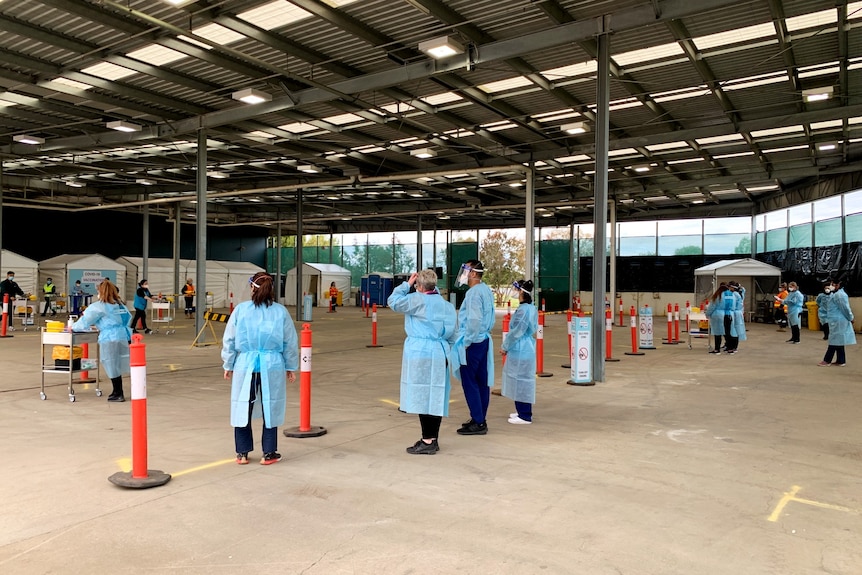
{"x":518,"y":421}
{"x":511,"y":415}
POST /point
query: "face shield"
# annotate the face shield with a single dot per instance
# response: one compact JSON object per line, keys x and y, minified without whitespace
{"x":463,"y":275}
{"x":516,"y":289}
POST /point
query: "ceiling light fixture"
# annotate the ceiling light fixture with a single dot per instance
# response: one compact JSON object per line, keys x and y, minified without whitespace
{"x":423,"y":153}
{"x":25,"y":139}
{"x":441,"y":47}
{"x":308,"y":168}
{"x":827,"y":146}
{"x":123,"y":126}
{"x":817,"y":94}
{"x":75,"y":183}
{"x":252,"y":96}
{"x":641,"y":168}
{"x":218,"y":175}
{"x":575,"y":128}
{"x":145,"y":182}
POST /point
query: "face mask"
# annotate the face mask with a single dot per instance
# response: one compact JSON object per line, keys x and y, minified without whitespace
{"x":828,"y":290}
{"x":463,"y":276}
{"x":791,"y":289}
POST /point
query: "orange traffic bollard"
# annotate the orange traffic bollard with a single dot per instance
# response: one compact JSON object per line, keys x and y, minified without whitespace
{"x":687,"y":316}
{"x":633,"y":322}
{"x":85,"y":375}
{"x":5,"y":316}
{"x":669,"y":340}
{"x":374,"y":327}
{"x":140,"y":477}
{"x":676,"y":323}
{"x":543,"y":304}
{"x":367,"y":304}
{"x":540,"y":348}
{"x":305,"y":428}
{"x":621,"y":312}
{"x":578,"y":307}
{"x":609,"y":334}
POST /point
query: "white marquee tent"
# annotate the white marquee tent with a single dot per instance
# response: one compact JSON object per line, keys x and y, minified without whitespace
{"x":26,"y":272}
{"x":223,"y":278}
{"x":315,"y":280}
{"x":91,"y":269}
{"x":759,"y":280}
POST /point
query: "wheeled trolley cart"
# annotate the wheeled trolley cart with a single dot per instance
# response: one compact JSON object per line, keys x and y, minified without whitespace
{"x":163,"y":314}
{"x":70,"y":339}
{"x":23,"y":311}
{"x":699,"y":328}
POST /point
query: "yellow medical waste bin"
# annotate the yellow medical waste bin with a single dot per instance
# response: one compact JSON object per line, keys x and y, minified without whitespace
{"x":813,"y":320}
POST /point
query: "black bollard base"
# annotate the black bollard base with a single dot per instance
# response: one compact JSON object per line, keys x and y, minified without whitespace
{"x":611,"y":359}
{"x":373,"y":346}
{"x":567,"y":365}
{"x":314,"y":431}
{"x":154,"y":478}
{"x":634,"y":353}
{"x":544,"y":374}
{"x":581,"y":383}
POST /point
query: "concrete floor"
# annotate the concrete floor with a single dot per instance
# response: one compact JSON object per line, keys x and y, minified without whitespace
{"x":680,"y":462}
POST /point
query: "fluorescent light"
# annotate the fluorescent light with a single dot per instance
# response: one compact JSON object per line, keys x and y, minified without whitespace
{"x":145,"y":182}
{"x":123,"y":126}
{"x":441,"y":47}
{"x":218,"y":175}
{"x":308,"y":169}
{"x":75,"y":183}
{"x":25,"y":139}
{"x":641,"y":168}
{"x":817,"y":94}
{"x":575,"y":128}
{"x":827,"y":146}
{"x":252,"y":96}
{"x":423,"y":153}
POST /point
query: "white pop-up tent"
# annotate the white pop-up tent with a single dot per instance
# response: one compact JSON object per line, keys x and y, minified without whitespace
{"x":759,"y":279}
{"x":160,"y":274}
{"x":315,"y":281}
{"x":91,"y":269}
{"x":26,"y":272}
{"x":223,"y":278}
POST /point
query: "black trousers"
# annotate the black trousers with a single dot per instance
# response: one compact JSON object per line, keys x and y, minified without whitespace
{"x":430,"y":426}
{"x":142,"y":315}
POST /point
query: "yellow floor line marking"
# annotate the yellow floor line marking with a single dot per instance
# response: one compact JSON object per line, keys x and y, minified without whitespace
{"x":396,"y":404}
{"x":173,"y":366}
{"x":791,"y":496}
{"x":202,"y":467}
{"x":788,"y":496}
{"x":125,"y":464}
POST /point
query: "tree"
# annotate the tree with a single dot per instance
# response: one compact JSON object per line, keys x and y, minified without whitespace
{"x":744,"y":246}
{"x":503,"y":257}
{"x":688,"y":251}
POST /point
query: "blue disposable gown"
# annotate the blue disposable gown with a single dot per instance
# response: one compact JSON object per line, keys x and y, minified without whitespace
{"x":716,"y":311}
{"x":475,"y":322}
{"x":794,"y":301}
{"x":839,"y":318}
{"x":112,"y":320}
{"x":823,"y":306}
{"x":739,"y":315}
{"x":259,"y":339}
{"x":519,"y":371}
{"x":429,"y":321}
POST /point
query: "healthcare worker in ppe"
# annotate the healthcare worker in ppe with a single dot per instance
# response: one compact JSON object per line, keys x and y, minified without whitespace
{"x":429,"y":321}
{"x":260,"y":350}
{"x":474,"y":346}
{"x":519,"y":350}
{"x":720,"y":315}
{"x":841,"y":331}
{"x":794,"y":301}
{"x":111,"y":318}
{"x":738,"y":312}
{"x":823,"y":299}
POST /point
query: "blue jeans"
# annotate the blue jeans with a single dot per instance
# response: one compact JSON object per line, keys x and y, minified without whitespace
{"x":243,"y":437}
{"x":474,"y":380}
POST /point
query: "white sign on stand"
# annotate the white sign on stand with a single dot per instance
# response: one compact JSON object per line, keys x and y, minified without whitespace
{"x":645,"y":328}
{"x":582,"y":371}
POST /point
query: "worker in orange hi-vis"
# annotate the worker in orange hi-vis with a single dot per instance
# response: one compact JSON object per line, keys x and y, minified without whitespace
{"x":189,"y":295}
{"x":333,"y":296}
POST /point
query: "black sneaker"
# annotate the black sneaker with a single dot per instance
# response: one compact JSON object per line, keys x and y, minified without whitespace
{"x":474,"y":429}
{"x":422,"y":448}
{"x":148,"y":331}
{"x":270,"y":458}
{"x":467,"y":423}
{"x":116,"y":398}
